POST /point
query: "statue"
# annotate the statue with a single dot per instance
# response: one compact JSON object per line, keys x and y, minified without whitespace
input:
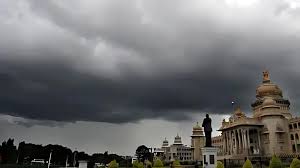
{"x":207,"y":130}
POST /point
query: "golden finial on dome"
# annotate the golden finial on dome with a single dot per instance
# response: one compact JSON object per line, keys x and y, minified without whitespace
{"x":266,"y":76}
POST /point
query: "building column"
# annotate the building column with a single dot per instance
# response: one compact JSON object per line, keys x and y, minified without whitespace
{"x":232,"y":142}
{"x":240,"y":141}
{"x":248,"y":140}
{"x":228,"y":143}
{"x":244,"y":140}
{"x":259,"y":144}
{"x":237,"y":142}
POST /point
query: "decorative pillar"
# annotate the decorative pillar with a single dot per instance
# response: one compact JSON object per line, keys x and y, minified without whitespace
{"x":236,"y":142}
{"x":259,"y":144}
{"x":240,"y":142}
{"x":248,"y":140}
{"x":233,"y":142}
{"x":228,"y":143}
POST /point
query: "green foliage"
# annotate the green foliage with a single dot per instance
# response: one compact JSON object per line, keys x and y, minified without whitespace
{"x":113,"y":164}
{"x":176,"y":163}
{"x":220,"y":164}
{"x":143,"y":153}
{"x":158,"y":163}
{"x":247,"y":164}
{"x":275,"y":162}
{"x":148,"y":164}
{"x":295,"y":163}
{"x":137,"y":164}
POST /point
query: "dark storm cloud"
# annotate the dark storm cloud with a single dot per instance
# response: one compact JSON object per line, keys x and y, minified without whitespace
{"x":122,"y":62}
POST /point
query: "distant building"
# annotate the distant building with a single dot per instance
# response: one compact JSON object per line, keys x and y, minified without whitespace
{"x":176,"y":151}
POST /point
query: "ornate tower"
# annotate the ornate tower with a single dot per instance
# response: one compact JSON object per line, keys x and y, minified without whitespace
{"x":197,"y":142}
{"x":269,"y":95}
{"x":272,"y":110}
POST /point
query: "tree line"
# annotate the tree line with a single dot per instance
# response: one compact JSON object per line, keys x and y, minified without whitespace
{"x":26,"y":152}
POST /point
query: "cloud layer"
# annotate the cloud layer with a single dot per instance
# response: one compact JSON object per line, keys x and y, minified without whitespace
{"x":118,"y":62}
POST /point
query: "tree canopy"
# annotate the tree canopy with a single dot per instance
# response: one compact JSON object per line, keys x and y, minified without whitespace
{"x":143,"y":153}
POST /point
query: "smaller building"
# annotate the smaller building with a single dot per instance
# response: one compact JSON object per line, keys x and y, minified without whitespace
{"x":176,"y":151}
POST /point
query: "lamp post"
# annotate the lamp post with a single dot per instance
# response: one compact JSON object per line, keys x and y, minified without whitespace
{"x":49,"y":161}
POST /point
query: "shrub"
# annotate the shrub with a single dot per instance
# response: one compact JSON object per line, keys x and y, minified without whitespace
{"x":176,"y":163}
{"x":158,"y":163}
{"x":275,"y":162}
{"x":137,"y":164}
{"x":220,"y":164}
{"x":113,"y":164}
{"x":148,"y":164}
{"x":247,"y":164}
{"x":295,"y":163}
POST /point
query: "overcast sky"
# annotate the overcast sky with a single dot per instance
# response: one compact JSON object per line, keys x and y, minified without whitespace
{"x":112,"y":74}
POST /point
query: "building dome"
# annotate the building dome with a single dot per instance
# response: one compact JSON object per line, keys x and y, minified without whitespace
{"x":197,"y":127}
{"x":165,"y":143}
{"x":267,"y":88}
{"x":269,"y":102}
{"x":177,"y":140}
{"x":197,"y":130}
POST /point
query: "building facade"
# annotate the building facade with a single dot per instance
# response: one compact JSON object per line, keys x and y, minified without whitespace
{"x":270,"y":130}
{"x":176,"y":151}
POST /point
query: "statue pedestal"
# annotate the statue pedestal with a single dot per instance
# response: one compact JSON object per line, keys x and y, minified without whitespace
{"x":209,"y":157}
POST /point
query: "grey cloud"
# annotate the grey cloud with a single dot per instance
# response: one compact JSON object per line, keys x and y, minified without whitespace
{"x":122,"y":62}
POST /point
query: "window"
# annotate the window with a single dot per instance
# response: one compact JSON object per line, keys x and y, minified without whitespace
{"x":204,"y":156}
{"x":291,"y":127}
{"x":296,"y":136}
{"x":294,"y":148}
{"x":292,"y":137}
{"x":211,"y":159}
{"x":298,"y":125}
{"x":295,"y":126}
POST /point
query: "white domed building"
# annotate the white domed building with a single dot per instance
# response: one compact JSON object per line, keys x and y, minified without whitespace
{"x":270,"y":130}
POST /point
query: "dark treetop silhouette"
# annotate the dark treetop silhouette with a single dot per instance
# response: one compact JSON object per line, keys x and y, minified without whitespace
{"x":207,"y":129}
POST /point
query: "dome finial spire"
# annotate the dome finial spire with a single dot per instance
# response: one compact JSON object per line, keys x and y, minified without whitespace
{"x":266,"y":77}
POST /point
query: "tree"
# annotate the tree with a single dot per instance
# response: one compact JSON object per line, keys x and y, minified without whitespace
{"x":113,"y":164}
{"x":295,"y":163}
{"x":143,"y":153}
{"x":176,"y":163}
{"x":219,"y":164}
{"x":158,"y":163}
{"x":247,"y":164}
{"x":8,"y":151}
{"x":275,"y":162}
{"x":137,"y":164}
